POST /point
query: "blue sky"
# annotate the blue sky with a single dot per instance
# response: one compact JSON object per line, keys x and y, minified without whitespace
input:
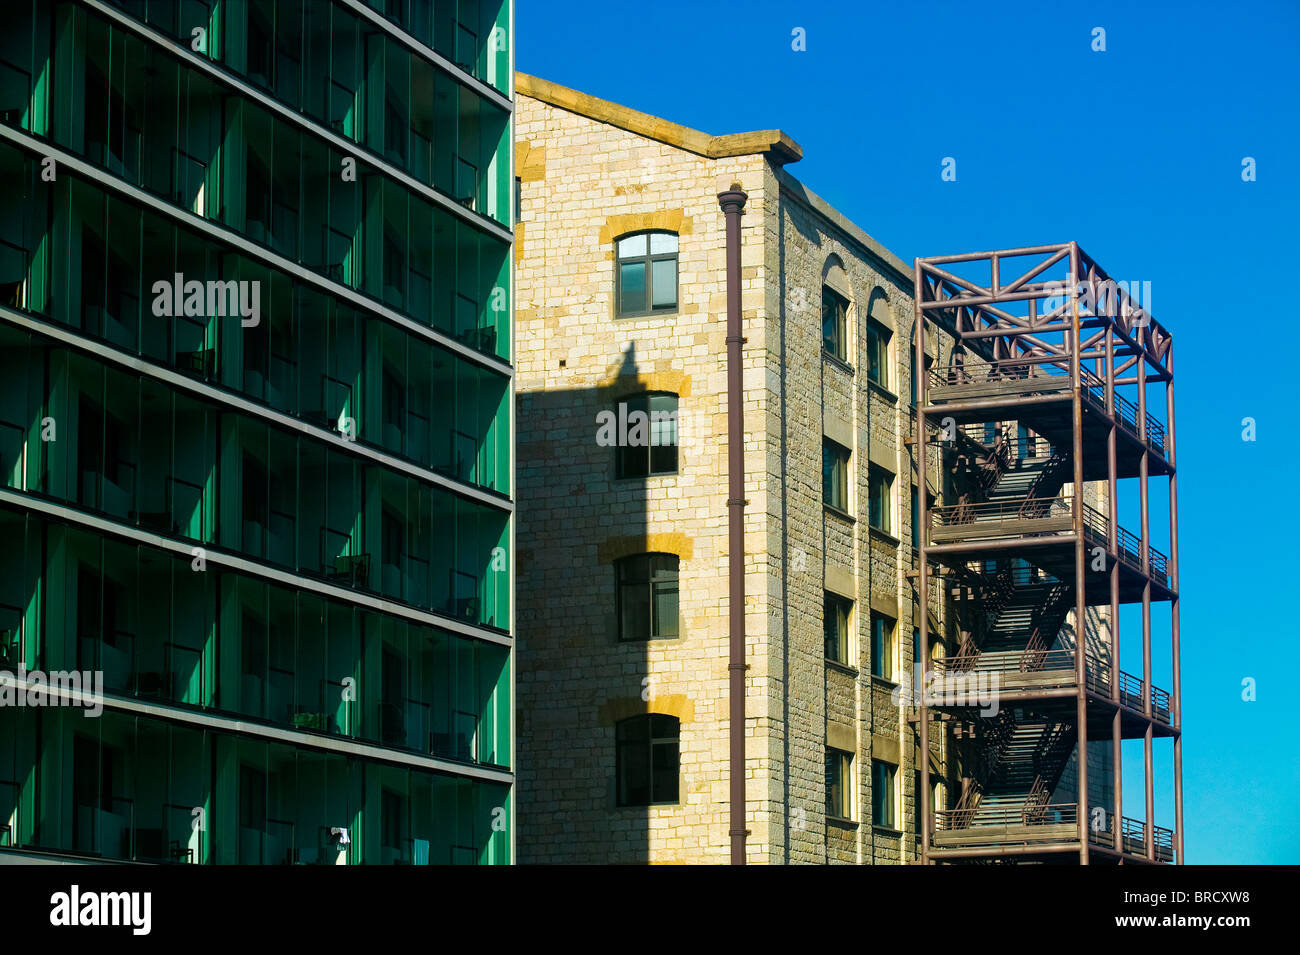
{"x":1136,"y":153}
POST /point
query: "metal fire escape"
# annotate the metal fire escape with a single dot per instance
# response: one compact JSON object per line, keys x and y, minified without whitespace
{"x":1037,"y":412}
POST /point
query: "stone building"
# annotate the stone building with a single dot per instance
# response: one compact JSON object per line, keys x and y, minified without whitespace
{"x":622,"y":490}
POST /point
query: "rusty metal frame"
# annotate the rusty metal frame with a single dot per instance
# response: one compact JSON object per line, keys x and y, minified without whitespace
{"x":1091,"y":332}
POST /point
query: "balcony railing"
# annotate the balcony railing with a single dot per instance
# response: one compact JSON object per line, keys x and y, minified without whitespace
{"x":995,"y":517}
{"x":1097,"y":525}
{"x":978,"y":372}
{"x":1133,"y":838}
{"x":1126,"y":413}
{"x":1130,"y":694}
{"x":1026,"y":813}
{"x":1022,"y":376}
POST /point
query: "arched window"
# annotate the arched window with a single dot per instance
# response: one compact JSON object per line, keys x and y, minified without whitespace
{"x":879,"y":338}
{"x":837,"y":294}
{"x":646,"y":280}
{"x":647,"y":596}
{"x":647,"y":435}
{"x":647,"y":756}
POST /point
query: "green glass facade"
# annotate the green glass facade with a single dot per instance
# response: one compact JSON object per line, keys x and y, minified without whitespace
{"x":255,"y":429}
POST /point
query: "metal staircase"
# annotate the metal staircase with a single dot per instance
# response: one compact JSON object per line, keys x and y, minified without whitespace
{"x":1035,"y":436}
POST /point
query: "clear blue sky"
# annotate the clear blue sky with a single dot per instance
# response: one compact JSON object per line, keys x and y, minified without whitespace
{"x":1136,"y":153}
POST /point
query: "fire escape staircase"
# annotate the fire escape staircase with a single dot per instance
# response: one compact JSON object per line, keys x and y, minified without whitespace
{"x":1019,"y":765}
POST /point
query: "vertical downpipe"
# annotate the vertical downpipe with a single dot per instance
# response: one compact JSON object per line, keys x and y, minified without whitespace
{"x":733,"y":204}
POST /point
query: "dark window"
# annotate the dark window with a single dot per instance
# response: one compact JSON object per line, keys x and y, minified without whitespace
{"x":837,"y":628}
{"x":647,"y":759}
{"x":878,"y":337}
{"x":882,"y":794}
{"x":835,"y":309}
{"x":835,"y":475}
{"x":646,"y":435}
{"x":256,"y":493}
{"x":916,"y":520}
{"x":882,"y":646}
{"x":880,"y":485}
{"x":917,"y":807}
{"x":252,"y":650}
{"x":393,"y":535}
{"x":647,"y":596}
{"x":839,"y":790}
{"x":647,"y":273}
{"x":252,"y":798}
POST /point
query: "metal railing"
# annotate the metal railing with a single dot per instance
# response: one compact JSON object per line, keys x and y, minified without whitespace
{"x":1005,"y":369}
{"x":1028,"y":508}
{"x":1129,"y":544}
{"x":1008,"y":661}
{"x":1130,"y":694}
{"x":1164,"y":839}
{"x":1126,"y":413}
{"x":1020,"y":813}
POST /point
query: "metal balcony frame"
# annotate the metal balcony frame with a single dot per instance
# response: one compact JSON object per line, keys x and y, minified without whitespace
{"x":1081,"y":355}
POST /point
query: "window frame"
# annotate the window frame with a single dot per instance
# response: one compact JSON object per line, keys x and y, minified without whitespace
{"x":840,"y":341}
{"x":841,"y":467}
{"x":880,"y":514}
{"x":842,"y":762}
{"x":650,"y":558}
{"x":622,"y":453}
{"x":841,"y":607}
{"x":647,"y":260}
{"x":883,"y":646}
{"x":886,"y":772}
{"x":626,"y":727}
{"x":879,"y":350}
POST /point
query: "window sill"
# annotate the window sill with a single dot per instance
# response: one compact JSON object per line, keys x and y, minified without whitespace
{"x":839,"y":822}
{"x":637,"y":316}
{"x":884,"y":682}
{"x":659,"y":475}
{"x":837,"y":361}
{"x":887,"y":831}
{"x":843,"y":515}
{"x":842,"y":667}
{"x":882,"y":390}
{"x":884,"y":536}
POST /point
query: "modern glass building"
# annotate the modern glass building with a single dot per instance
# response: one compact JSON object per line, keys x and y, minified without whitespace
{"x":255,"y":430}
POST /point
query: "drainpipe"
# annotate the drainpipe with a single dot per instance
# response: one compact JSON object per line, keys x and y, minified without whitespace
{"x":733,"y":204}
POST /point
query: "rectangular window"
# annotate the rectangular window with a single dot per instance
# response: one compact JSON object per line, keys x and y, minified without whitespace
{"x":647,"y":757}
{"x":645,"y":430}
{"x":646,"y":280}
{"x":834,"y":323}
{"x":647,"y":597}
{"x":878,"y":337}
{"x":882,"y":645}
{"x":917,"y":807}
{"x":835,"y":475}
{"x":839,"y":784}
{"x":882,"y":794}
{"x":916,"y":520}
{"x":836,"y":624}
{"x":880,"y":498}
